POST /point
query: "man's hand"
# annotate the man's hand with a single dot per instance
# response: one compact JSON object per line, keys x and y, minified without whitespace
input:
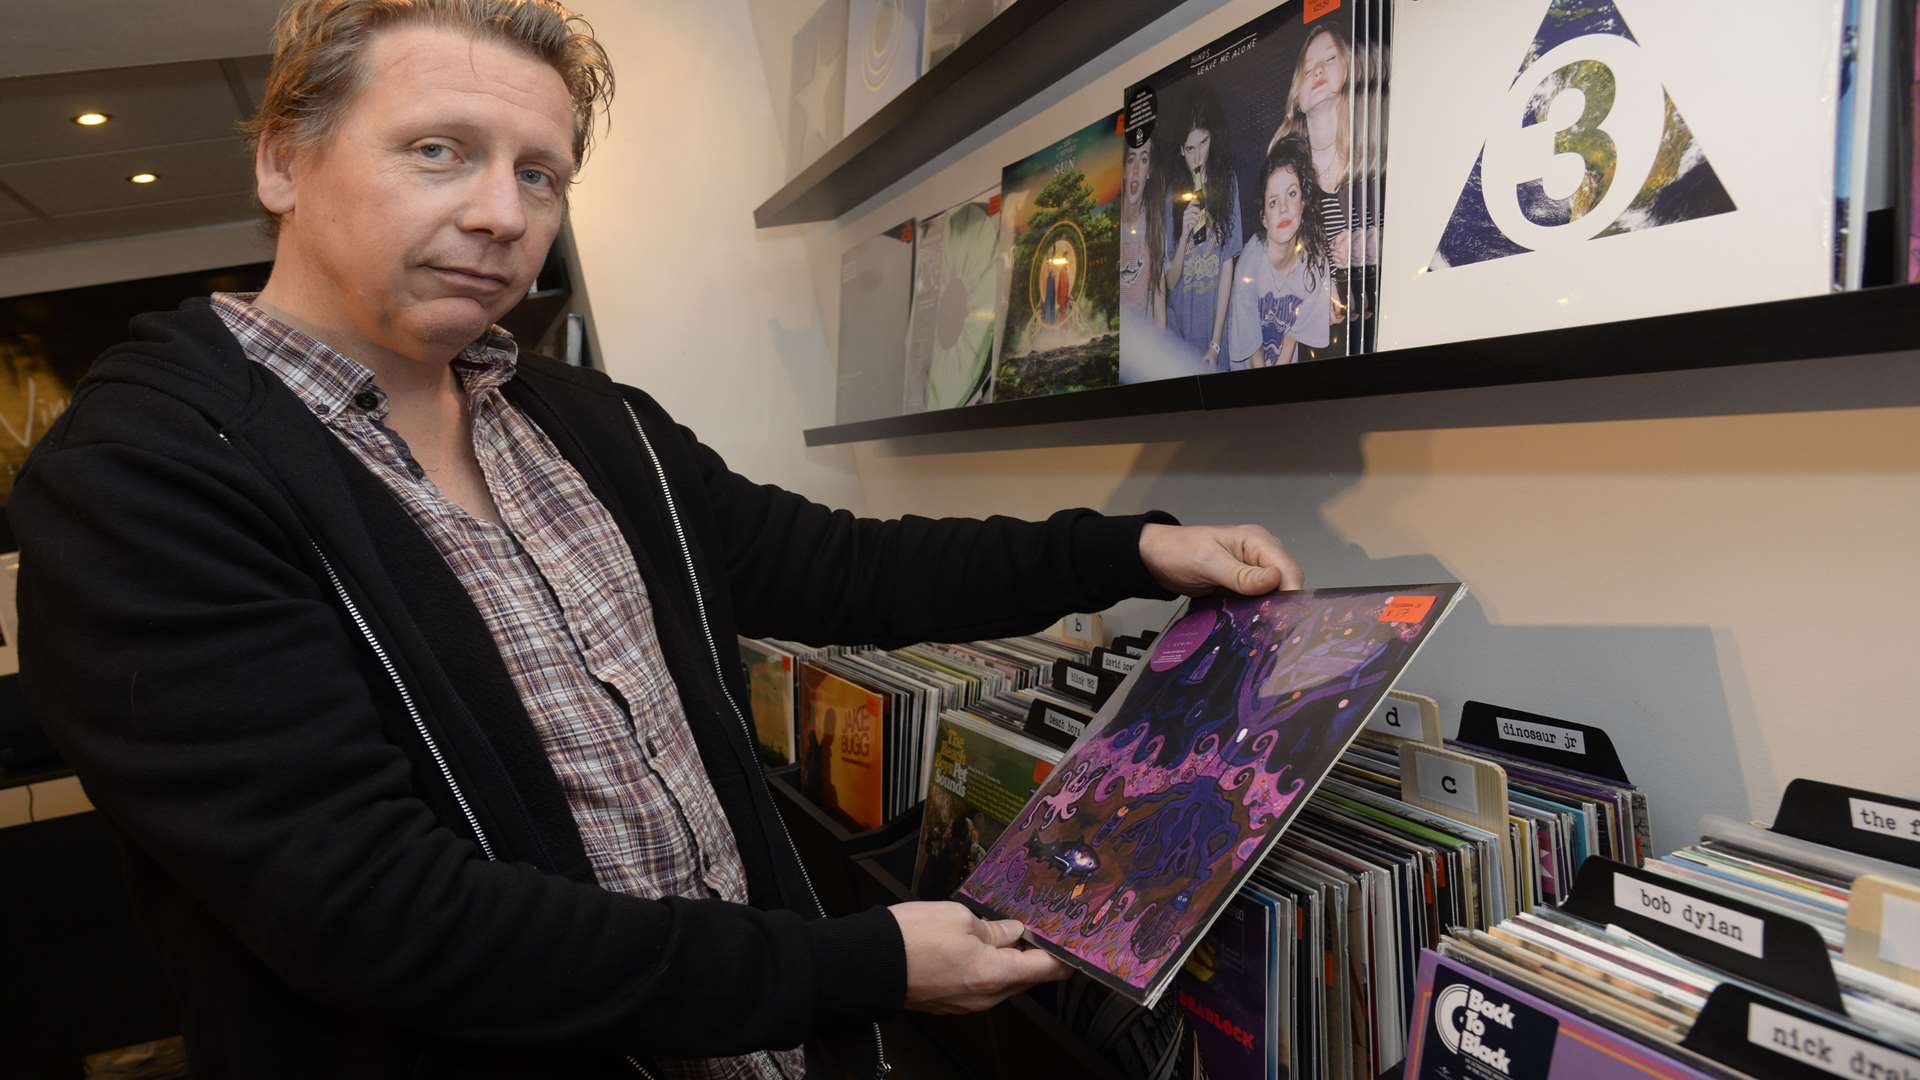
{"x":960,"y":963}
{"x":1195,"y":560}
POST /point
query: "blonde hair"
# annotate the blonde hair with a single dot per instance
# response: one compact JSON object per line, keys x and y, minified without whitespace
{"x":319,"y":50}
{"x":1296,"y":118}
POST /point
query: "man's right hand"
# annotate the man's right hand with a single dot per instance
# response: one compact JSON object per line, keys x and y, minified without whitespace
{"x":960,"y":963}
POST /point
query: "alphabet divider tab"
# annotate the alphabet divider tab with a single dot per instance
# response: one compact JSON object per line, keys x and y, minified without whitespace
{"x":1788,"y":955}
{"x":1764,"y":1036}
{"x":1548,"y":740}
{"x":1465,"y":788}
{"x":1863,"y":822}
{"x":1052,"y":724}
{"x":1084,"y":682}
{"x":1883,"y":927}
{"x":1404,"y":716}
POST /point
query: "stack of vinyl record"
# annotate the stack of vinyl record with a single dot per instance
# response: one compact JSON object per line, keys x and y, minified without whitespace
{"x":1753,"y":952}
{"x":773,"y":681}
{"x":1313,"y":969}
{"x":865,"y":722}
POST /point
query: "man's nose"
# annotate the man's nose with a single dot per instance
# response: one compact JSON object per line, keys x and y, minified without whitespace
{"x":494,"y":205}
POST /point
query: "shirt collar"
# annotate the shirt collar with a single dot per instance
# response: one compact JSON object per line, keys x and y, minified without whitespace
{"x":329,"y":381}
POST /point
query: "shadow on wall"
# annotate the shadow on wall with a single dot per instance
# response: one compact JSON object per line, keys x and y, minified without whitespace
{"x":1663,"y":690}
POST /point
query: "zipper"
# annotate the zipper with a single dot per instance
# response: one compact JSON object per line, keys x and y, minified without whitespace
{"x":720,"y":673}
{"x":406,"y":698}
{"x":413,"y":713}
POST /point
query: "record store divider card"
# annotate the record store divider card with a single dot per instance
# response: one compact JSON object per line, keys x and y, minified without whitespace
{"x":1578,"y":161}
{"x":1188,"y":776}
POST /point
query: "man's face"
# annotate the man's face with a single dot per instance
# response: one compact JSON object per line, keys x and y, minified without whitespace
{"x":427,"y":212}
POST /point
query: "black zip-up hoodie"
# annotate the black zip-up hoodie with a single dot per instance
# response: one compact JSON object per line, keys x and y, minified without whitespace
{"x":336,"y":819}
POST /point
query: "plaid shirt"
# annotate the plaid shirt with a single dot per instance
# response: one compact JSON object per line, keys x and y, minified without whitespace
{"x":558,"y":589}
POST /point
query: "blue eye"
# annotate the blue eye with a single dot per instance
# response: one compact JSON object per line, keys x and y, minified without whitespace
{"x":534,"y":176}
{"x":430,"y":151}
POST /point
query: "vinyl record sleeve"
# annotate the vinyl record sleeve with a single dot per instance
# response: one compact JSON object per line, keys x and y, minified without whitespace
{"x":1058,"y":295}
{"x":843,"y":747}
{"x":876,"y":294}
{"x":1565,"y":162}
{"x":951,"y":22}
{"x":1463,"y":1017}
{"x":818,"y":93}
{"x":770,"y":689}
{"x":1228,"y":989}
{"x":982,"y":775}
{"x":883,"y":53}
{"x":1190,"y":773}
{"x":951,"y":328}
{"x":1199,"y":134}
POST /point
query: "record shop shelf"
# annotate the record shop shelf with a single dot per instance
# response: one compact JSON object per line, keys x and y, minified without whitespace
{"x":1024,"y":50}
{"x":1857,"y":323}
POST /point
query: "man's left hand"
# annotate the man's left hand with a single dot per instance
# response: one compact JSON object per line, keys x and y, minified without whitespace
{"x":1195,"y":560}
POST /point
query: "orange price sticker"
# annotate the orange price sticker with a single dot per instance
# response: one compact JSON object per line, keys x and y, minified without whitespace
{"x":1317,"y":8}
{"x":1407,"y":609}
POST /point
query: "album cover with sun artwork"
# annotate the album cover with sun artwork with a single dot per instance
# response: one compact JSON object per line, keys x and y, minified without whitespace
{"x":1184,"y":781}
{"x":1059,"y":269}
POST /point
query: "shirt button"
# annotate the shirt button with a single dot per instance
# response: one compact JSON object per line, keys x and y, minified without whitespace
{"x":366,"y":399}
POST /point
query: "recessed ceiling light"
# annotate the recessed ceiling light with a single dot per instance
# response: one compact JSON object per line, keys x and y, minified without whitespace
{"x":91,"y":119}
{"x":143,"y":178}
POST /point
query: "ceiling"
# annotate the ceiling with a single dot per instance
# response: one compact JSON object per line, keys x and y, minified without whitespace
{"x":175,"y":78}
{"x":62,"y":183}
{"x":92,"y":35}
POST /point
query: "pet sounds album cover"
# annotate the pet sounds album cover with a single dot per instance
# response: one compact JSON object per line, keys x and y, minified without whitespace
{"x":950,"y":329}
{"x":983,"y":774}
{"x":1240,"y":218}
{"x":1189,"y":774}
{"x":1059,"y":282}
{"x":1564,"y":162}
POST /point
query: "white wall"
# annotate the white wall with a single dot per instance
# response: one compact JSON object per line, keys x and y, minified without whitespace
{"x":715,"y":319}
{"x":1717,"y":566}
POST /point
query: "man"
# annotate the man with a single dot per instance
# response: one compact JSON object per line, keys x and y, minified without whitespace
{"x":403,"y":664}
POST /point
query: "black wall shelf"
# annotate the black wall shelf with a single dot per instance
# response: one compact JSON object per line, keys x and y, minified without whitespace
{"x":1858,"y":323}
{"x":1024,"y":50}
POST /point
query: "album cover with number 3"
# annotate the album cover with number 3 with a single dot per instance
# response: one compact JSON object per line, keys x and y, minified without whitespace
{"x":1565,"y":162}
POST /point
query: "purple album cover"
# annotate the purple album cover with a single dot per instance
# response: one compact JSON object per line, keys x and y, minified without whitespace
{"x":1187,"y":777}
{"x":1468,"y":1025}
{"x":1226,"y":988}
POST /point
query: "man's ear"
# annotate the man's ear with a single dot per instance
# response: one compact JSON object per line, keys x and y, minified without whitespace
{"x":273,"y":163}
